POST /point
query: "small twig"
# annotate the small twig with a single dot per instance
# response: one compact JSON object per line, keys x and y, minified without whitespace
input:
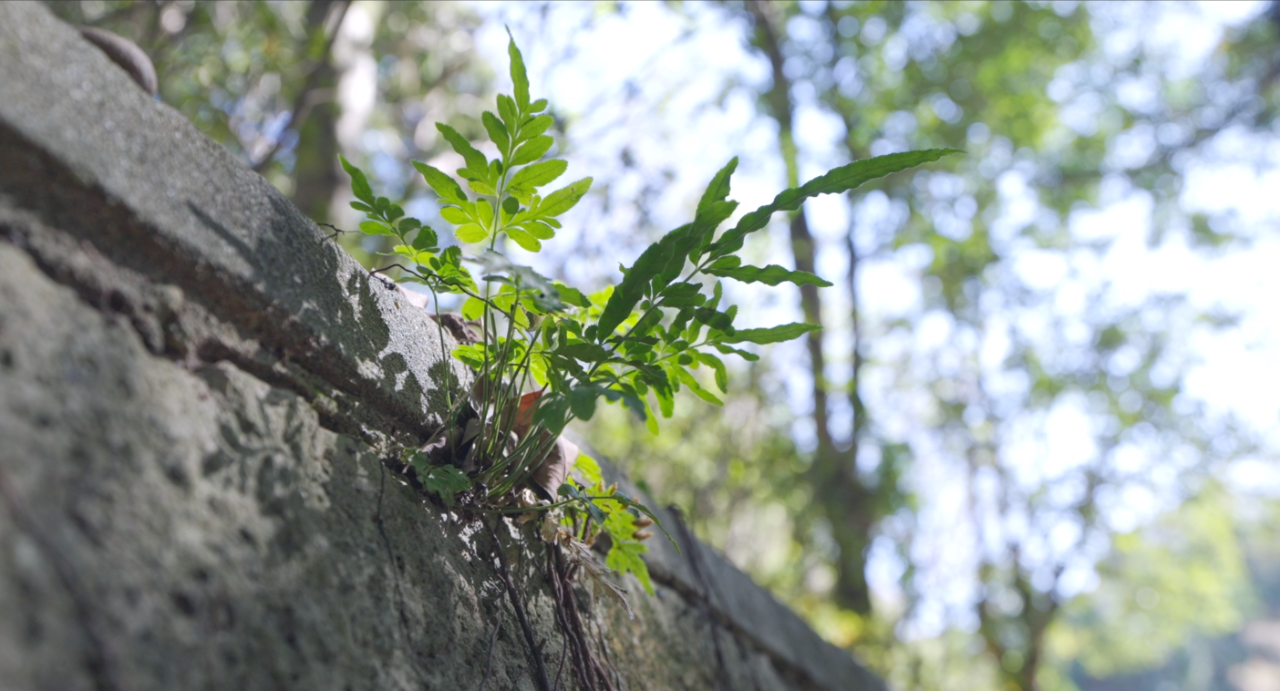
{"x":504,"y":573}
{"x":493,"y":639}
{"x":336,"y":231}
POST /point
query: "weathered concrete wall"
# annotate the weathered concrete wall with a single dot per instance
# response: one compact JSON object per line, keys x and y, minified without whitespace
{"x":196,"y":391}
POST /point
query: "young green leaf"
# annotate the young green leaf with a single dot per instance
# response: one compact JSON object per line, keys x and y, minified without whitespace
{"x":552,"y":413}
{"x":507,"y":111}
{"x":497,"y":131}
{"x":476,"y":162}
{"x":377,"y":228}
{"x":696,"y":387}
{"x":572,"y":296}
{"x":359,"y":183}
{"x":537,"y":175}
{"x":443,"y":481}
{"x":518,"y":75}
{"x":564,"y":198}
{"x":776,"y":334}
{"x":841,"y":179}
{"x":532,"y":150}
{"x":539,"y":230}
{"x":524,"y":239}
{"x":716,"y":320}
{"x":471,"y":232}
{"x":582,"y":401}
{"x":624,"y":557}
{"x":426,"y":241}
{"x":456,"y":215}
{"x":535,"y":127}
{"x":445,"y":187}
{"x":744,"y":354}
{"x":590,"y":470}
{"x":722,"y":376}
{"x":627,"y":294}
{"x":718,"y":190}
{"x":769,"y":275}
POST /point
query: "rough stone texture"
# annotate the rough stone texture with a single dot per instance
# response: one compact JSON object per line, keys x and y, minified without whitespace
{"x":197,"y":393}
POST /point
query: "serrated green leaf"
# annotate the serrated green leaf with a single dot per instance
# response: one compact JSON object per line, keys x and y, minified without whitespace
{"x":519,"y":77}
{"x":732,"y":261}
{"x":481,"y":187}
{"x":635,"y":281}
{"x":476,"y":161}
{"x":484,"y":214}
{"x":507,"y":111}
{"x":535,"y":127}
{"x":776,"y":334}
{"x":361,"y":206}
{"x":524,"y":239}
{"x":538,"y":174}
{"x":456,"y":216}
{"x":704,"y":227}
{"x":680,"y":301}
{"x":587,"y":352}
{"x":744,"y":354}
{"x":470,"y":232}
{"x":537,"y":106}
{"x":695,"y":386}
{"x":540,"y":230}
{"x":718,"y":190}
{"x":497,"y":131}
{"x":666,"y":402}
{"x":624,"y":557}
{"x":582,"y":401}
{"x":589,"y":468}
{"x":716,"y":320}
{"x":532,"y":150}
{"x":444,"y":186}
{"x":359,"y":183}
{"x":650,"y":420}
{"x":552,"y":413}
{"x":769,"y":275}
{"x":841,"y":179}
{"x":572,"y":296}
{"x":426,"y":240}
{"x":563,"y":199}
{"x":444,"y":481}
{"x":722,"y":375}
{"x":376,"y":228}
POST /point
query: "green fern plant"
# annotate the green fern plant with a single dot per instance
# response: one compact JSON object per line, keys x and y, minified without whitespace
{"x":547,"y":353}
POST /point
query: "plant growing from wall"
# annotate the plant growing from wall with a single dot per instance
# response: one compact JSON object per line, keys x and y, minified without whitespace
{"x":545,"y":353}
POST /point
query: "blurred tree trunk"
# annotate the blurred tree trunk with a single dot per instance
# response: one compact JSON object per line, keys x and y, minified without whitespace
{"x":316,"y":167}
{"x":843,"y":500}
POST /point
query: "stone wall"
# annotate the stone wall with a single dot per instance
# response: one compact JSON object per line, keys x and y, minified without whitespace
{"x":196,"y":392}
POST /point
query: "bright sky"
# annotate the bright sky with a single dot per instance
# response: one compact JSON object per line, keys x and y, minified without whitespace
{"x":656,"y":81}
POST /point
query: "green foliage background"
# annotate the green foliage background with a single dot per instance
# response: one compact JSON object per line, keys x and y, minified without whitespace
{"x":833,"y":456}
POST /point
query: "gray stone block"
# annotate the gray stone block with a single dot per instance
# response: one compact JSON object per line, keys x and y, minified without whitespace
{"x":198,"y":398}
